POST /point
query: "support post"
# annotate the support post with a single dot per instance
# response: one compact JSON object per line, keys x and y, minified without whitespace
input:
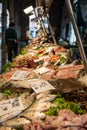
{"x":11,"y":10}
{"x":4,"y":26}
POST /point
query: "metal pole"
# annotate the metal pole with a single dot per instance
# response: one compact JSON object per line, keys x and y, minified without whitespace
{"x":51,"y":30}
{"x":11,"y":10}
{"x":79,"y":42}
{"x":43,"y":26}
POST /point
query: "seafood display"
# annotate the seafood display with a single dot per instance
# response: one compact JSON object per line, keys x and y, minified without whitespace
{"x":42,"y":90}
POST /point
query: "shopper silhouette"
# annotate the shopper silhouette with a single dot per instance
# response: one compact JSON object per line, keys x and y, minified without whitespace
{"x":11,"y":41}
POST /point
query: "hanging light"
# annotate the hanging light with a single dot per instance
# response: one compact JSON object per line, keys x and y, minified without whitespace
{"x":28,"y":10}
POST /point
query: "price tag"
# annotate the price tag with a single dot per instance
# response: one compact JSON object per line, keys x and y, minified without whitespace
{"x":20,"y":75}
{"x":41,"y":70}
{"x":40,"y":85}
{"x":10,"y":105}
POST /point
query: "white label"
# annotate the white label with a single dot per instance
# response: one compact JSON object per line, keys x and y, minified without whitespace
{"x":10,"y":105}
{"x":20,"y":75}
{"x":40,"y":85}
{"x":41,"y":70}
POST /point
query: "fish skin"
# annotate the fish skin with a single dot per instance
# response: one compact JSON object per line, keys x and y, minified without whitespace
{"x":9,"y":116}
{"x":16,"y":122}
{"x":27,"y":99}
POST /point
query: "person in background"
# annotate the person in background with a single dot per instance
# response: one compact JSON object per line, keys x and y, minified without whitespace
{"x":27,"y":37}
{"x":11,"y":41}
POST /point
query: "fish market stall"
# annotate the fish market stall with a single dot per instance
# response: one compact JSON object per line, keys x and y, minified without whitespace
{"x":42,"y":89}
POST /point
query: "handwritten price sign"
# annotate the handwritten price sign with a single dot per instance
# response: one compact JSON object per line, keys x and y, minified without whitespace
{"x":41,"y":70}
{"x":40,"y":85}
{"x":10,"y":105}
{"x":20,"y":75}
